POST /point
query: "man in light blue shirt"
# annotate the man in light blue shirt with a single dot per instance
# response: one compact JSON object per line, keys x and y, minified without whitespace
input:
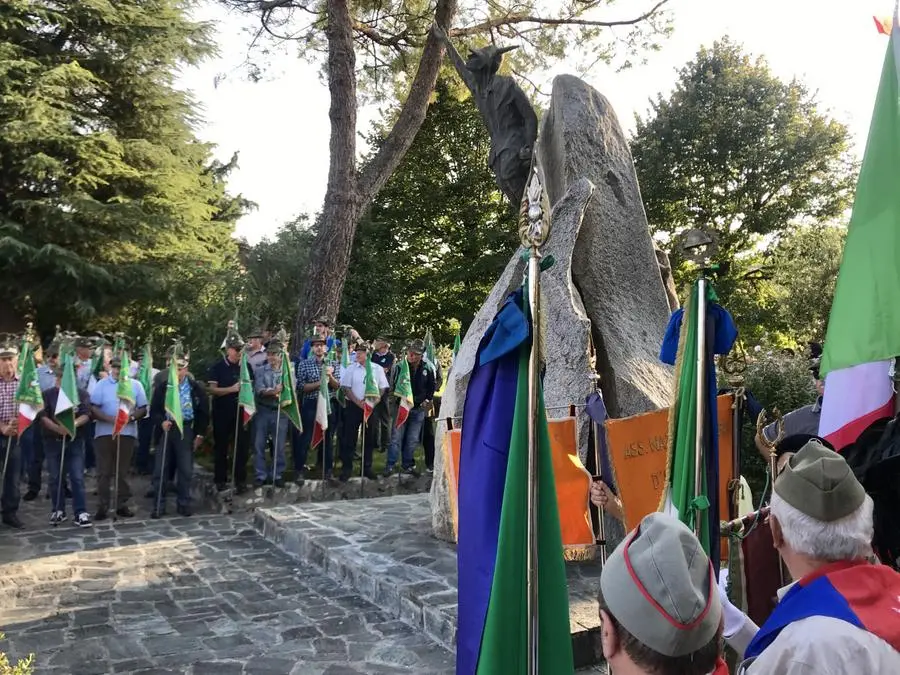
{"x":104,"y":408}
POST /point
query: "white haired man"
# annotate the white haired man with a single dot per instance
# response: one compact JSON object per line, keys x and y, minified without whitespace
{"x":842,"y":614}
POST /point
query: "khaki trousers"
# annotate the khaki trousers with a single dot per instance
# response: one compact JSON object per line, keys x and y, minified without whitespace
{"x":105,"y":451}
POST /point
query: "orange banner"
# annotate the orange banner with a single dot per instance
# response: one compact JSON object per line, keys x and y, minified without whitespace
{"x":573,"y":482}
{"x":637,"y":447}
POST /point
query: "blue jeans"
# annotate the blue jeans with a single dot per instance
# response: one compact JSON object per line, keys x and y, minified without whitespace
{"x":264,"y":425}
{"x":9,"y":503}
{"x":74,"y":468}
{"x":406,"y":437}
{"x":179,"y":453}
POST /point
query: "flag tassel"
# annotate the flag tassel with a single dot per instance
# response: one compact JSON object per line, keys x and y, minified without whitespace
{"x":701,"y":400}
{"x":62,"y":464}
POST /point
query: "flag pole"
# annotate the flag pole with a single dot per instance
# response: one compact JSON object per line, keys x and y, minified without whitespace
{"x":275,"y":444}
{"x":234,"y":449}
{"x":701,"y":398}
{"x":534,"y":228}
{"x":116,"y":480}
{"x":162,"y":472}
{"x":62,"y":464}
{"x":362,"y":455}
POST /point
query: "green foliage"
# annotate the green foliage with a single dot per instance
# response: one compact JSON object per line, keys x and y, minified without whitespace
{"x":112,"y":212}
{"x":21,"y":667}
{"x":777,"y":381}
{"x":735,"y":150}
{"x":438,"y":235}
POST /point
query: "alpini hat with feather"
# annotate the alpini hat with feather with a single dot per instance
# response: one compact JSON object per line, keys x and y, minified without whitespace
{"x":278,"y":343}
{"x":232,"y":339}
{"x":178,"y":352}
{"x":9,"y":346}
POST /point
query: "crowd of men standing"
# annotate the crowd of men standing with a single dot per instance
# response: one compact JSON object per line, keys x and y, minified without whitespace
{"x":210,"y":401}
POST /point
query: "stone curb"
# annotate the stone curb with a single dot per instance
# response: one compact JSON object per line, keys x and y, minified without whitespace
{"x":417,"y":596}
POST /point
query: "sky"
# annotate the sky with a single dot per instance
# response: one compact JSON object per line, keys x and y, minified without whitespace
{"x":280,"y":127}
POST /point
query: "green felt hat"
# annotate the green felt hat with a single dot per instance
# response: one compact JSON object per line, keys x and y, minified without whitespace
{"x":660,"y":586}
{"x":819,"y":483}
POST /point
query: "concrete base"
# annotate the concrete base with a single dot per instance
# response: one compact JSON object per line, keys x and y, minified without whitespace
{"x":384,"y":550}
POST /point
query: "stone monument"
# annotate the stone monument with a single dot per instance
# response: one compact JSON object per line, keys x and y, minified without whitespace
{"x":604,"y":298}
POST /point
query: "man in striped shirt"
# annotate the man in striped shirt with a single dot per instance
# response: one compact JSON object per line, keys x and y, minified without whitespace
{"x":10,"y":453}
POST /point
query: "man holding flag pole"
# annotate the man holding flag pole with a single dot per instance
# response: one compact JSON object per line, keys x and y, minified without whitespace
{"x":117,"y":402}
{"x":180,"y":407}
{"x":363,"y":387}
{"x":9,"y":446}
{"x":64,"y":426}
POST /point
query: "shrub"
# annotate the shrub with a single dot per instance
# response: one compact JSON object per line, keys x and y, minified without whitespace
{"x":22,"y":667}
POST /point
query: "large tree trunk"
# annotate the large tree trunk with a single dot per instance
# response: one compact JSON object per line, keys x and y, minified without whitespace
{"x":348,"y":194}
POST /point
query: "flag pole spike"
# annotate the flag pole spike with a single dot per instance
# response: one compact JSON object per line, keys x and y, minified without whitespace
{"x":534,"y":229}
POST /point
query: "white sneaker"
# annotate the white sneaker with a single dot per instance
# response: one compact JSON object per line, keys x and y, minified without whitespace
{"x":83,"y":519}
{"x":57,"y":517}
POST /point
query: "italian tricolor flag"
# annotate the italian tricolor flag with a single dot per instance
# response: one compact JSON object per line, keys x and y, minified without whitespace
{"x":68,"y":397}
{"x":404,"y":392}
{"x":864,"y":327}
{"x":125,"y":393}
{"x":28,"y":394}
{"x":323,"y":408}
{"x":246,"y":398}
{"x":373,"y":393}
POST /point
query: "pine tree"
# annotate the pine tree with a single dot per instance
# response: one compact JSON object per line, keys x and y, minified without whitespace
{"x":106,"y":195}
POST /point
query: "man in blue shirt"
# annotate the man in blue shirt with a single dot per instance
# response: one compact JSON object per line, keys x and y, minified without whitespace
{"x":104,"y":408}
{"x":321,"y":326}
{"x":180,"y":444}
{"x":267,"y":386}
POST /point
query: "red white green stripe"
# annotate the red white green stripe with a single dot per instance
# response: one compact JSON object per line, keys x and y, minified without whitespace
{"x":28,"y":394}
{"x":864,"y":327}
{"x":404,"y":392}
{"x":323,"y":408}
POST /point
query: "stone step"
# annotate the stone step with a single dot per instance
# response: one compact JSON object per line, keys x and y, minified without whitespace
{"x":384,"y":550}
{"x":269,"y":496}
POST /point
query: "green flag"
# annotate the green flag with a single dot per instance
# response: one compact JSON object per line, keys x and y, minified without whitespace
{"x":680,"y":484}
{"x":403,"y":391}
{"x":173,"y":397}
{"x":504,"y":643}
{"x":345,"y":353}
{"x":373,"y":394}
{"x":457,"y":343}
{"x":67,"y":401}
{"x":24,"y":349}
{"x":145,"y":372}
{"x":430,"y":356}
{"x":28,"y":393}
{"x":288,"y":399}
{"x":125,"y":394}
{"x":246,"y":396}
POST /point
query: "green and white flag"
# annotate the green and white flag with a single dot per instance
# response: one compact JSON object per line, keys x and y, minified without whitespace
{"x":67,"y":401}
{"x":173,"y":398}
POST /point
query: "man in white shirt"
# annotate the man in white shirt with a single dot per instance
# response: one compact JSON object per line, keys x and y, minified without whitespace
{"x":353,"y":384}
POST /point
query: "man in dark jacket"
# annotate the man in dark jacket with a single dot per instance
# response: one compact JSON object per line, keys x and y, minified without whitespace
{"x":178,"y":446}
{"x":405,"y":438}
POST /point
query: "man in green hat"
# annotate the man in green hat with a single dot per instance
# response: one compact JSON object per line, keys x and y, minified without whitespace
{"x":268,"y":422}
{"x":321,"y":326}
{"x":181,"y":443}
{"x":9,"y":421}
{"x":224,"y":383}
{"x":46,"y":380}
{"x":256,"y":350}
{"x":382,"y":415}
{"x":405,"y":438}
{"x":309,"y":379}
{"x":659,"y":607}
{"x":842,"y":613}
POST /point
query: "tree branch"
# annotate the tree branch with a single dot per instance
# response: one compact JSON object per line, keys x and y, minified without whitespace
{"x":512,"y":19}
{"x":377,"y":171}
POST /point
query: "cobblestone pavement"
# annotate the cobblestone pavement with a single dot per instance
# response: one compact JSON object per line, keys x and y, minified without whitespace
{"x":188,"y":595}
